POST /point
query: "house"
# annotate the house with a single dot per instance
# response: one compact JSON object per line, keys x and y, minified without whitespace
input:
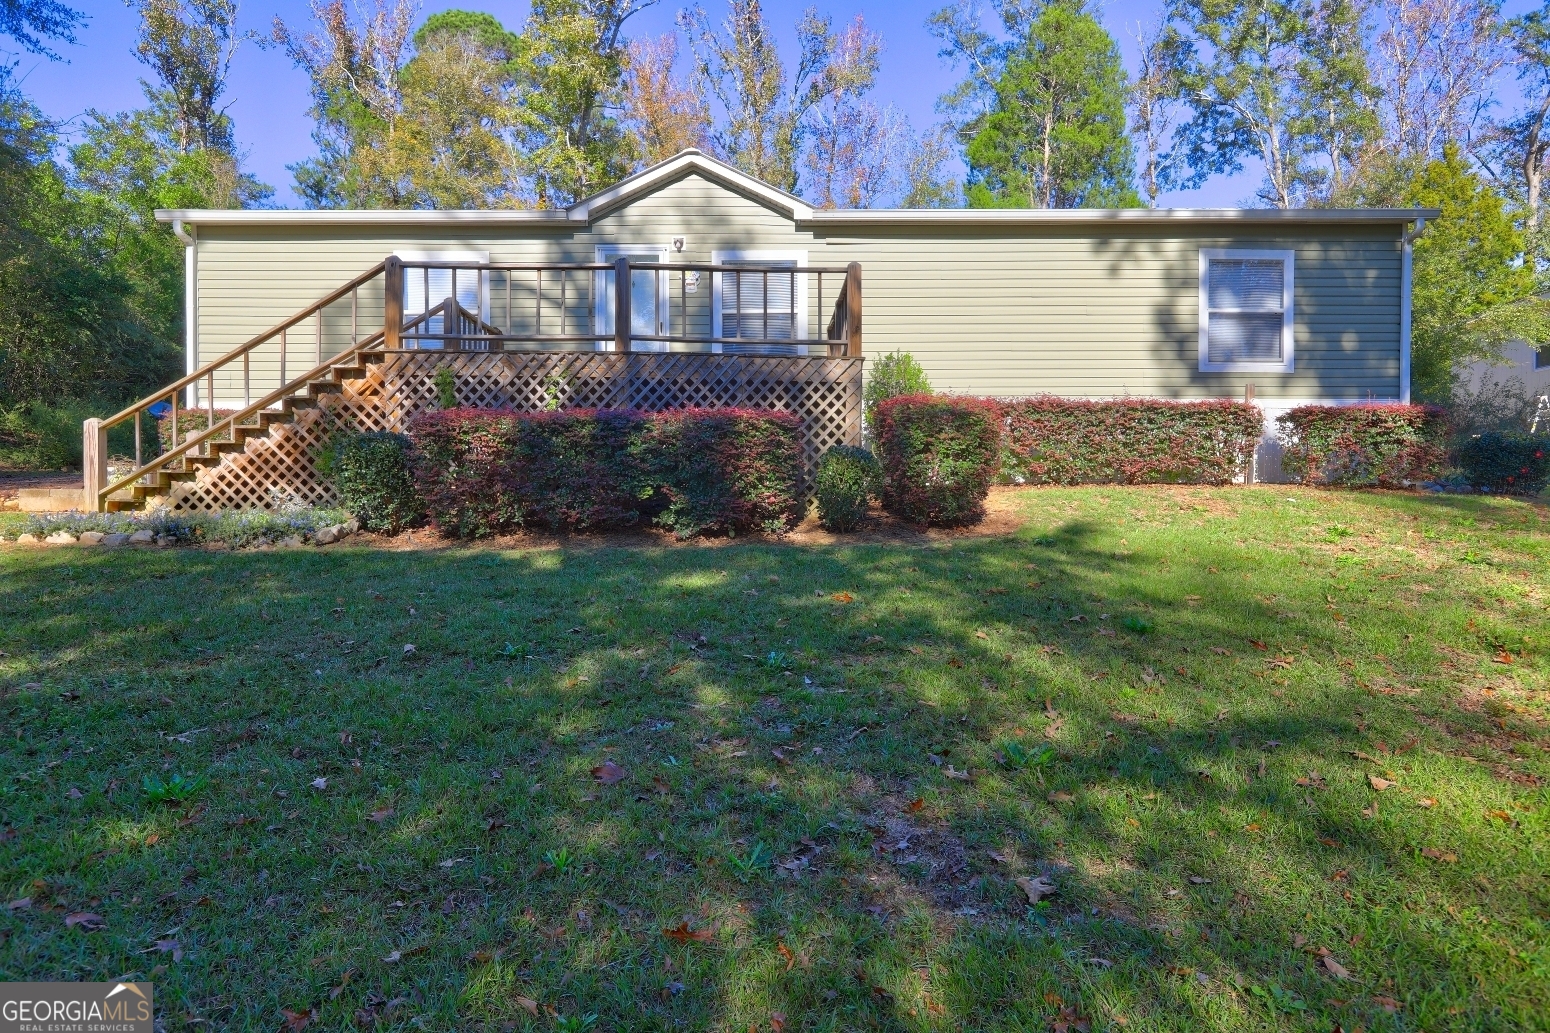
{"x":1307,"y":306}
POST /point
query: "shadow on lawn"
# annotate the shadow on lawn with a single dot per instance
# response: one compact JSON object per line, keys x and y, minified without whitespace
{"x":541,"y":665}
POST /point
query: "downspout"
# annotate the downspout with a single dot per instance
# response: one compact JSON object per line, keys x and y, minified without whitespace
{"x":1408,"y":237}
{"x":187,"y":237}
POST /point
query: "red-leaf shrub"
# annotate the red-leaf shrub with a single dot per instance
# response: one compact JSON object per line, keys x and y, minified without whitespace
{"x":1350,"y":446}
{"x":1128,"y":441}
{"x":724,"y":469}
{"x":1513,"y":464}
{"x":940,"y":454}
{"x":697,"y":470}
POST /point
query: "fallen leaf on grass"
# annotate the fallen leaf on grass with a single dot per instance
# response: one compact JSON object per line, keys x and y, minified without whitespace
{"x":1036,"y":888}
{"x":1435,"y":854}
{"x":169,"y":946}
{"x":19,"y":905}
{"x":785,"y":952}
{"x":1219,"y":651}
{"x":843,"y":597}
{"x":1334,"y":967}
{"x":296,"y":1021}
{"x":916,"y":805}
{"x":1388,"y":1004}
{"x":1069,"y":1019}
{"x":1426,"y":801}
{"x":344,"y":981}
{"x":1380,"y":784}
{"x":409,"y":650}
{"x":980,"y":634}
{"x":528,"y":1005}
{"x":397,"y":956}
{"x":1502,"y":657}
{"x":1500,"y":816}
{"x":85,"y":921}
{"x":608,"y":773}
{"x":320,"y":783}
{"x":1258,"y":644}
{"x":777,"y":1022}
{"x":683,"y":934}
{"x":1199,"y":880}
{"x":380,"y":816}
{"x":1060,"y":796}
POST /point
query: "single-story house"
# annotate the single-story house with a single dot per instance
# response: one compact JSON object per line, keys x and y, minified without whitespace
{"x":1310,"y":305}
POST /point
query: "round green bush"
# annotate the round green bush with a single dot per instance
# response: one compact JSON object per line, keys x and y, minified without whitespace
{"x":848,"y":479}
{"x":373,"y":476}
{"x":1513,"y":464}
{"x":891,"y":376}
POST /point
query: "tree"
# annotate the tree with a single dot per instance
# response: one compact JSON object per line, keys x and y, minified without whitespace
{"x":960,"y":28}
{"x":1271,"y":78}
{"x":855,"y":154}
{"x":1526,"y":138}
{"x":1158,"y":116}
{"x":1434,"y":64}
{"x":1471,"y":292}
{"x":665,"y":115}
{"x":1055,"y":137}
{"x":29,"y":22}
{"x":189,"y":44}
{"x":768,"y":113}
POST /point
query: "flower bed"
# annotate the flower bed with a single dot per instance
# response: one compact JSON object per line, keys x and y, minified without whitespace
{"x":1127,"y":441}
{"x":1387,"y":445}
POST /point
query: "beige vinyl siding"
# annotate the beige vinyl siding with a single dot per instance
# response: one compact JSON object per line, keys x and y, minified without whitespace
{"x":985,"y":310}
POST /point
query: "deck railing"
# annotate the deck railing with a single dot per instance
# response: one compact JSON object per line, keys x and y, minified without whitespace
{"x":511,"y":307}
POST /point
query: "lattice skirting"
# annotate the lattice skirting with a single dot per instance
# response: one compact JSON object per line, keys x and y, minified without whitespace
{"x":825,"y":394}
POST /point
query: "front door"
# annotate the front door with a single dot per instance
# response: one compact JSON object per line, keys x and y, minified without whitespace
{"x":648,"y":297}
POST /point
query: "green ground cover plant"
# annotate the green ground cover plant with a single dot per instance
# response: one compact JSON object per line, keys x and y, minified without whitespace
{"x":1172,"y":759}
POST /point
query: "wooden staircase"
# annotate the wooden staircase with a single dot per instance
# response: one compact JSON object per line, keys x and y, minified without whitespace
{"x":159,"y":483}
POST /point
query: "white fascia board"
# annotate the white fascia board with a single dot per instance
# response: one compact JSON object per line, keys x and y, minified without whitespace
{"x":358,"y":217}
{"x":678,"y":166}
{"x":1137,"y":216}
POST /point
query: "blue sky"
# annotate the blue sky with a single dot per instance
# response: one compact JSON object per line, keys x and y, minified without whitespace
{"x":268,"y":97}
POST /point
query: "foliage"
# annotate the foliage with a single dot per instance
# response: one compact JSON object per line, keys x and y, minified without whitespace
{"x":1512,"y":464}
{"x":1483,"y":401}
{"x":445,"y":382}
{"x":1363,"y":445}
{"x":666,"y":115}
{"x":1055,"y":137}
{"x":695,"y":470}
{"x":373,"y":475}
{"x":1277,"y":80}
{"x":940,"y":454}
{"x":890,"y":376}
{"x":29,"y":22}
{"x":238,"y":529}
{"x":190,"y":423}
{"x":847,"y":480}
{"x":1128,"y":441}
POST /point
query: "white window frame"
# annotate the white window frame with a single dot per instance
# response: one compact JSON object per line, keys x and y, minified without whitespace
{"x":450,"y":258}
{"x":799,"y":317}
{"x":1288,"y":361}
{"x":601,"y":296}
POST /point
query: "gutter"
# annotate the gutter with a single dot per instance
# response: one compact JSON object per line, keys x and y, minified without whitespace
{"x":1407,"y":238}
{"x":188,"y":237}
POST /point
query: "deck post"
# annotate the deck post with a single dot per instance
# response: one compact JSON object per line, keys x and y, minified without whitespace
{"x":622,"y":304}
{"x":392,"y":302}
{"x":94,"y":464}
{"x":853,"y":310}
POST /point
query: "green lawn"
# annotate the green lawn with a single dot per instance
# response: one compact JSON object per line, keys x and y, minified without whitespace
{"x":724,"y":787}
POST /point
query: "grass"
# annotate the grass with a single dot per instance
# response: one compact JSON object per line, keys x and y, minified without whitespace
{"x":696,"y":788}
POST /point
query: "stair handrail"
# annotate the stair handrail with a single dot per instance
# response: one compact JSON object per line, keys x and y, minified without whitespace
{"x":242,"y":349}
{"x":231,"y":422}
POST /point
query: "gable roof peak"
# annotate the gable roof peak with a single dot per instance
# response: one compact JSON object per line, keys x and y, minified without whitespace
{"x":690,"y":160}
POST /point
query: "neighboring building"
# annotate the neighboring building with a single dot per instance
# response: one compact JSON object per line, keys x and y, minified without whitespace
{"x":1309,"y":305}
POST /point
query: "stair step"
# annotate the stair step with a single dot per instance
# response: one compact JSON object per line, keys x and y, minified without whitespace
{"x":343,"y":373}
{"x":324,"y":387}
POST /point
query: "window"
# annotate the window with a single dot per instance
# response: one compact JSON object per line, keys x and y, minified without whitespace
{"x":1246,"y":311}
{"x":424,"y":289}
{"x":648,"y":296}
{"x":763,"y":305}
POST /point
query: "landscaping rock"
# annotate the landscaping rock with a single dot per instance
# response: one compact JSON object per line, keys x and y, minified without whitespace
{"x":327,"y":536}
{"x":60,"y":538}
{"x":28,"y":539}
{"x":142,"y":537}
{"x":166,"y":539}
{"x":115,"y":540}
{"x":352,"y":526}
{"x":92,"y":537}
{"x":293,"y":542}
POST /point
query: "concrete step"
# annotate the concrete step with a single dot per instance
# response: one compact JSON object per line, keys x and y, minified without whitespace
{"x":48,"y":500}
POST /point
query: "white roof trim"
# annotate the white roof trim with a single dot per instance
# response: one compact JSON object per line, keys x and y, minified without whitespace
{"x":796,"y":209}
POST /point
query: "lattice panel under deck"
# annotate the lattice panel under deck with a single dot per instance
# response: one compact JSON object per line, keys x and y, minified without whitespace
{"x":824,"y":393}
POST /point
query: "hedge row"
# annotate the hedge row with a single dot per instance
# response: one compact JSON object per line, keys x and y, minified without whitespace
{"x":692,"y":470}
{"x":1383,"y":445}
{"x":1128,"y":441}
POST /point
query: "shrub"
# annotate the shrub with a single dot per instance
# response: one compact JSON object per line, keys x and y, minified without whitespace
{"x":892,"y":376}
{"x":374,"y":477}
{"x":1513,"y":464}
{"x":1363,"y":445}
{"x":848,"y":478}
{"x":698,"y":470}
{"x":724,"y":470}
{"x":1128,"y":441}
{"x":445,"y":382}
{"x":940,"y":454}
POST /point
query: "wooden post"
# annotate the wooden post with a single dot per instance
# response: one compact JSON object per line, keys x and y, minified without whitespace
{"x":622,"y":304}
{"x":94,"y":465}
{"x":392,"y":302}
{"x":1248,"y":473}
{"x":853,"y":310}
